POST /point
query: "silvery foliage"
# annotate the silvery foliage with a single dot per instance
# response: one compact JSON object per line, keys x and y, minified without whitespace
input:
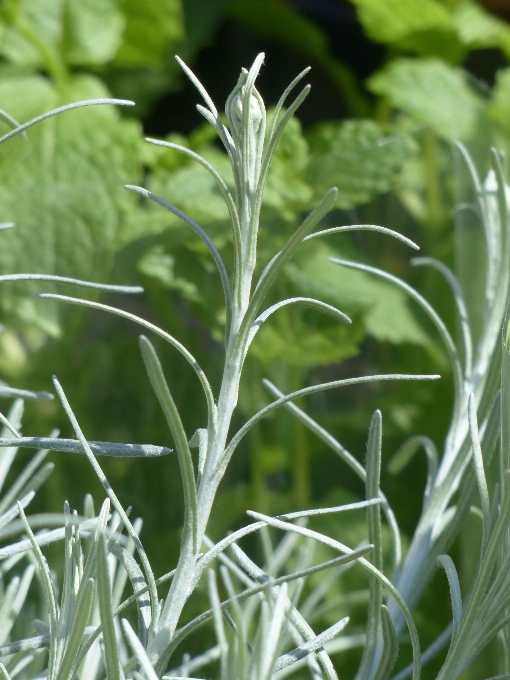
{"x":263,"y":630}
{"x":18,"y":495}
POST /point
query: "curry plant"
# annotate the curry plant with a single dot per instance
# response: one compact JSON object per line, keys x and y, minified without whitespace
{"x":481,"y":383}
{"x":250,"y":143}
{"x":265,"y":629}
{"x":17,"y":496}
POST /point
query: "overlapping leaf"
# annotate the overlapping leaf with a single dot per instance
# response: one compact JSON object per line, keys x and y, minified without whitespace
{"x":63,"y":190}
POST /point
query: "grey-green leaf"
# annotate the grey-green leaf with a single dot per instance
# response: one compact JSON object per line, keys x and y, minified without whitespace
{"x":173,"y":418}
{"x":104,"y":592}
{"x":390,"y":647}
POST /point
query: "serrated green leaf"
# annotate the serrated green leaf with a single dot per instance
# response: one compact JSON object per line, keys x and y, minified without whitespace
{"x":193,"y":190}
{"x":63,"y":189}
{"x":296,"y":343}
{"x":477,"y":28}
{"x":159,"y":265}
{"x":286,"y":191}
{"x":423,"y":27}
{"x":432,"y":93}
{"x":92,"y":30}
{"x":499,"y":106}
{"x":358,"y":157}
{"x":152,"y":27}
{"x":73,"y":31}
{"x":386,"y":316}
{"x":44,"y":17}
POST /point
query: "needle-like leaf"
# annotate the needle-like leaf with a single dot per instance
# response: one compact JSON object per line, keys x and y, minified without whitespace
{"x":219,"y":628}
{"x":446,"y":562}
{"x":73,"y":282}
{"x":336,"y":545}
{"x":205,"y":238}
{"x":347,"y":457}
{"x":4,"y":675}
{"x":115,"y":501}
{"x":373,"y":467}
{"x":98,"y":448}
{"x":104,"y":592}
{"x":390,"y":647}
{"x":310,"y":646}
{"x":479,"y":473}
{"x":234,"y":217}
{"x":139,"y":651}
{"x":363,"y":227}
{"x":223,"y":462}
{"x":159,"y":384}
{"x":62,"y":109}
{"x":49,"y":592}
{"x":186,"y":630}
{"x":80,"y":620}
{"x":304,"y":302}
{"x":126,"y":315}
{"x":430,"y":311}
{"x":460,"y":303}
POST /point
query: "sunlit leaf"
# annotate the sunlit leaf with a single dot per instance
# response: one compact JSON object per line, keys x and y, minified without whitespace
{"x":63,"y":189}
{"x":152,"y":27}
{"x":424,"y":28}
{"x":500,"y":101}
{"x":386,"y":315}
{"x":75,"y":31}
{"x":432,"y":93}
{"x":477,"y":28}
{"x":359,"y":157}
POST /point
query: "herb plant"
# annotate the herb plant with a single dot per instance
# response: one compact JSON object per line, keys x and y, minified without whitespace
{"x":263,"y":630}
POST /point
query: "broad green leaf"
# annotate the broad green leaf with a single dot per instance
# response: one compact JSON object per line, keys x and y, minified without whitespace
{"x":423,"y":27}
{"x":358,"y":157}
{"x":93,"y":30}
{"x":297,"y":343}
{"x":75,"y":31}
{"x":63,"y":189}
{"x":432,"y":93}
{"x":152,"y":27}
{"x":387,"y":315}
{"x":193,"y":190}
{"x":44,"y":17}
{"x":499,"y":106}
{"x":159,"y":265}
{"x":286,"y":191}
{"x":477,"y":28}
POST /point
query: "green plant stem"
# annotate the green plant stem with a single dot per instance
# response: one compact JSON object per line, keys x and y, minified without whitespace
{"x":180,"y":589}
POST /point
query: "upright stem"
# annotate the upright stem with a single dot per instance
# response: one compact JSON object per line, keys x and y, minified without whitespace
{"x":181,"y":588}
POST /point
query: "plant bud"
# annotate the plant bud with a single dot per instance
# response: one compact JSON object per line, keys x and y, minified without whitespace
{"x":234,"y":109}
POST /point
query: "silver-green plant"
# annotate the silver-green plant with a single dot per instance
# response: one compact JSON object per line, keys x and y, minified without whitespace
{"x":481,"y":387}
{"x":264,"y":631}
{"x":21,"y":492}
{"x":250,"y":147}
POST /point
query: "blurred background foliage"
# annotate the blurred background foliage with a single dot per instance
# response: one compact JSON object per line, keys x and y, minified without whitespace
{"x":394,"y":84}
